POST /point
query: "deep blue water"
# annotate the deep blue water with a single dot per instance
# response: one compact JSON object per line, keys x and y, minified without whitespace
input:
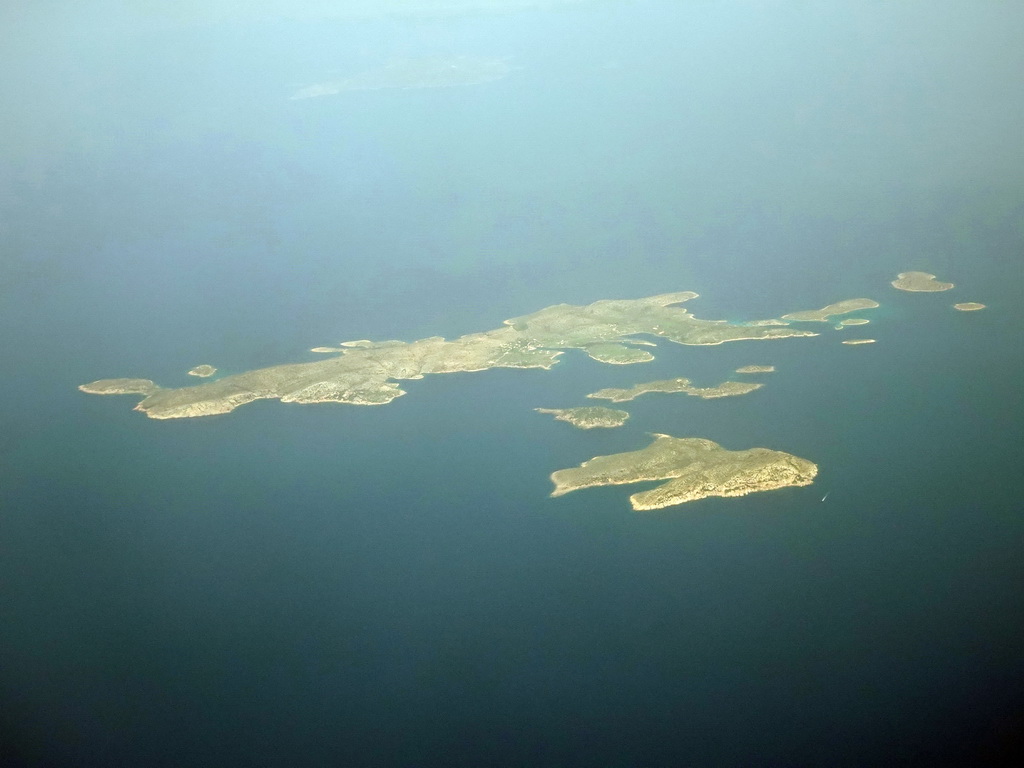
{"x":339,"y":585}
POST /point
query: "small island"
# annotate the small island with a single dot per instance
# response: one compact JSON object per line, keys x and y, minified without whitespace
{"x":695,"y":469}
{"x":756,"y":369}
{"x":854,"y":342}
{"x":203,"y":371}
{"x":588,"y":417}
{"x":852,"y":321}
{"x":919,"y":282}
{"x":824,"y":314}
{"x":969,"y":306}
{"x":726,"y":389}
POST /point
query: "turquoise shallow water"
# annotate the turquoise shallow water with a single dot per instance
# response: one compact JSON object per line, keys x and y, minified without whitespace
{"x":335,"y":585}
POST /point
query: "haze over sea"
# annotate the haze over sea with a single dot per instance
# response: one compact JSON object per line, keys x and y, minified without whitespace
{"x":391,"y":586}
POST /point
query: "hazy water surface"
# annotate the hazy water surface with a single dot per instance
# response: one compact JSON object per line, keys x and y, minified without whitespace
{"x":337,"y":585}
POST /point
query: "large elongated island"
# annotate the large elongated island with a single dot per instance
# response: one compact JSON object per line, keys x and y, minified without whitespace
{"x":367,"y":373}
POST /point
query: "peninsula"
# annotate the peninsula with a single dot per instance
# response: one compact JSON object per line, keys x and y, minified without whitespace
{"x":919,"y":282}
{"x":824,"y":314}
{"x":695,"y":469}
{"x":618,"y":354}
{"x":364,"y":372}
{"x":588,"y":417}
{"x":725,"y":389}
{"x":120,"y":387}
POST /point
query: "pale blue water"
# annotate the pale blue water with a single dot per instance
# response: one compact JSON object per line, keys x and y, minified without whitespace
{"x":335,"y":585}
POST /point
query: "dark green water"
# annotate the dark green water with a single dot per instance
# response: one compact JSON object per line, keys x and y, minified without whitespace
{"x":336,"y":585}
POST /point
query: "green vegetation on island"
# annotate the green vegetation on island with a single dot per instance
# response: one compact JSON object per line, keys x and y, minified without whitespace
{"x":588,"y":417}
{"x":919,"y":282}
{"x":969,"y":306}
{"x":725,"y":389}
{"x":366,"y":373}
{"x":695,"y":469}
{"x":120,"y":387}
{"x":824,"y":314}
{"x":618,"y":354}
{"x":203,"y":371}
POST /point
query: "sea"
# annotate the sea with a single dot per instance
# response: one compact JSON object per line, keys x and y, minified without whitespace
{"x":336,"y":585}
